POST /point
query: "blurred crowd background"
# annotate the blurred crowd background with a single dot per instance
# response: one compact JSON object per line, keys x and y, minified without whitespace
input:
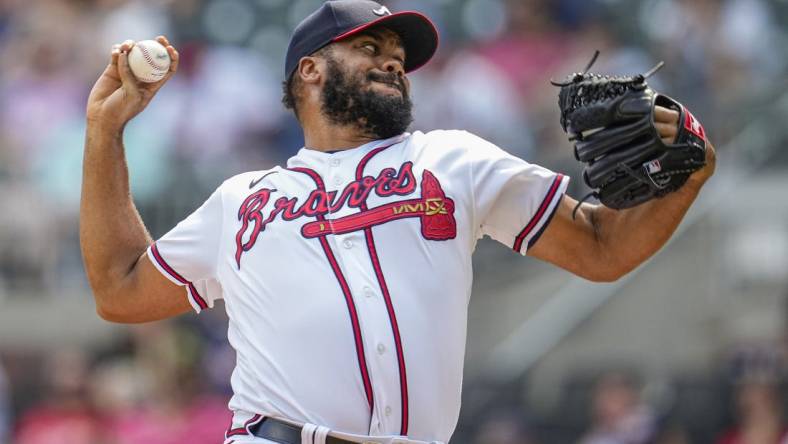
{"x":690,"y":348}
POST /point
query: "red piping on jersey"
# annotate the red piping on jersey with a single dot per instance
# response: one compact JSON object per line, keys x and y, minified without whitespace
{"x":244,"y":429}
{"x":190,"y":286}
{"x":518,"y":242}
{"x":351,"y":307}
{"x":373,"y":255}
{"x":547,"y":220}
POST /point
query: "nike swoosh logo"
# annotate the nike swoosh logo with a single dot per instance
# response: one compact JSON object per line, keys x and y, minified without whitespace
{"x":254,"y":183}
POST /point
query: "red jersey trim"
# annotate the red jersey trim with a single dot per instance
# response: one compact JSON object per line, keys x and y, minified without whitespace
{"x":540,"y":213}
{"x":244,"y":429}
{"x":373,"y":256}
{"x":191,"y":290}
{"x":351,"y":306}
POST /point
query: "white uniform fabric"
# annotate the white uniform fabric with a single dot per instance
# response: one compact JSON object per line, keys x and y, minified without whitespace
{"x":357,"y":324}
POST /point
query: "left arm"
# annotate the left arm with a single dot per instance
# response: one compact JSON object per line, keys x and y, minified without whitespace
{"x":602,"y":244}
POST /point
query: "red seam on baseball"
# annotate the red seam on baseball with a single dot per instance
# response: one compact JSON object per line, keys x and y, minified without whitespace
{"x":149,"y":59}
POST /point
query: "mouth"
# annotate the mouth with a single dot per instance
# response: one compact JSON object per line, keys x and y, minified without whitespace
{"x":390,"y":85}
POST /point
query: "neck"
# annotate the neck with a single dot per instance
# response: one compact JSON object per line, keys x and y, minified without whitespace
{"x":322,"y":136}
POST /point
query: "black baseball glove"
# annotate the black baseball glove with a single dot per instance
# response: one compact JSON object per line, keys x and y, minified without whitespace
{"x":611,"y":122}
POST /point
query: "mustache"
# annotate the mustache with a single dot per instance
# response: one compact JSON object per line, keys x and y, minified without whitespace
{"x":390,"y":78}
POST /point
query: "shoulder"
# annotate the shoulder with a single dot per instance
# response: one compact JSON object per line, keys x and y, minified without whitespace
{"x":460,"y":142}
{"x":243,"y":183}
{"x":451,"y":137}
{"x":448,"y":142}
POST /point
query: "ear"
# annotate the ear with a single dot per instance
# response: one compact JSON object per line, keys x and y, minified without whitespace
{"x":310,"y":69}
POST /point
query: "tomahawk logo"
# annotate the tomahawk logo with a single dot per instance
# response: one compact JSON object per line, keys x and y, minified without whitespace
{"x":382,"y":11}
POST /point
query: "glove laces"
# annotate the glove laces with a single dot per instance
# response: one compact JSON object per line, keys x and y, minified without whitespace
{"x":580,"y":76}
{"x":582,"y":201}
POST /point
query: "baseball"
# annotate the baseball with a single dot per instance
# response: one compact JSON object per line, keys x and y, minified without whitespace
{"x":149,"y":61}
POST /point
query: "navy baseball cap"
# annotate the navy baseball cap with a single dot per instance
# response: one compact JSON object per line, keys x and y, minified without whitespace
{"x":336,"y":20}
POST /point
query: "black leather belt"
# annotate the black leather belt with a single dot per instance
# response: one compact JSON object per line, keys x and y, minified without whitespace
{"x":284,"y":433}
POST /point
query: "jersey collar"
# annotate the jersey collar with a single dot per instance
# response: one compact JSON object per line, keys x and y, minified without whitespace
{"x":319,"y":155}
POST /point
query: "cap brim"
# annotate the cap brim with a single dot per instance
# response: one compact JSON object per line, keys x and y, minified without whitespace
{"x":418,"y":33}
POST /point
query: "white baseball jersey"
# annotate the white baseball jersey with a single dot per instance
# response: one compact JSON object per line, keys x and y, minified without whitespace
{"x":346,"y":276}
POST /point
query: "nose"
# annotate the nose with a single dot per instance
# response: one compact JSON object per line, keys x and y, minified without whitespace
{"x":394,"y":66}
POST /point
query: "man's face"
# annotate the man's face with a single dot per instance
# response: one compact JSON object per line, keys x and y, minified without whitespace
{"x":366,"y":85}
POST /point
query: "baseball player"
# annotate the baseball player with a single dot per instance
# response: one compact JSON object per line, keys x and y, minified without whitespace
{"x":346,"y":273}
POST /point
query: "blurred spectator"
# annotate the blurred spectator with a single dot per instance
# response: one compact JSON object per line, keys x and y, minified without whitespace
{"x":759,"y":408}
{"x":40,"y":84}
{"x":758,"y":375}
{"x":471,"y":93}
{"x":155,"y":396}
{"x":527,"y":55}
{"x":231,"y":94}
{"x":619,"y":415}
{"x":119,"y":20}
{"x":64,"y":416}
{"x":673,"y":435}
{"x":504,"y":426}
{"x":719,"y":53}
{"x":30,"y":239}
{"x":533,"y":46}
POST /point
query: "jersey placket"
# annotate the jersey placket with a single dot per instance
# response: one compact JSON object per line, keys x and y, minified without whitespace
{"x":351,"y":252}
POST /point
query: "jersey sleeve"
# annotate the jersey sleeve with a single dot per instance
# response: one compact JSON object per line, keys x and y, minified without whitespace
{"x":187,"y":254}
{"x":514,"y":200}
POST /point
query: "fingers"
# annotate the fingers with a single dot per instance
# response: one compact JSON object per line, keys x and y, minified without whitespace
{"x":111,"y":70}
{"x":127,"y":45}
{"x":123,"y":63}
{"x":173,"y":53}
{"x":667,"y":131}
{"x":174,"y":57}
{"x":666,"y":115}
{"x":113,"y":58}
{"x":667,"y":122}
{"x":163,"y":40}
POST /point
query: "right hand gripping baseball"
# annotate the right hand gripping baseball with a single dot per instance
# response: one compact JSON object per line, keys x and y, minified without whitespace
{"x":117,"y":95}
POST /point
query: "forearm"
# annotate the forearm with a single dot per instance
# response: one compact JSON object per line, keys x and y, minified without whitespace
{"x":112,"y":234}
{"x":629,"y":237}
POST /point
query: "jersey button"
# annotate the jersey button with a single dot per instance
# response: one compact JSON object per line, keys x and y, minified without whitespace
{"x":347,"y":243}
{"x":368,"y":292}
{"x":337,"y":180}
{"x":334,"y":162}
{"x":381,"y":349}
{"x":388,"y":411}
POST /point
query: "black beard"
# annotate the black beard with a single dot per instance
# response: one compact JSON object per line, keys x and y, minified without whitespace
{"x":347,"y":100}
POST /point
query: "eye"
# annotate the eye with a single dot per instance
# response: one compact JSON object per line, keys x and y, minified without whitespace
{"x":371,"y":47}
